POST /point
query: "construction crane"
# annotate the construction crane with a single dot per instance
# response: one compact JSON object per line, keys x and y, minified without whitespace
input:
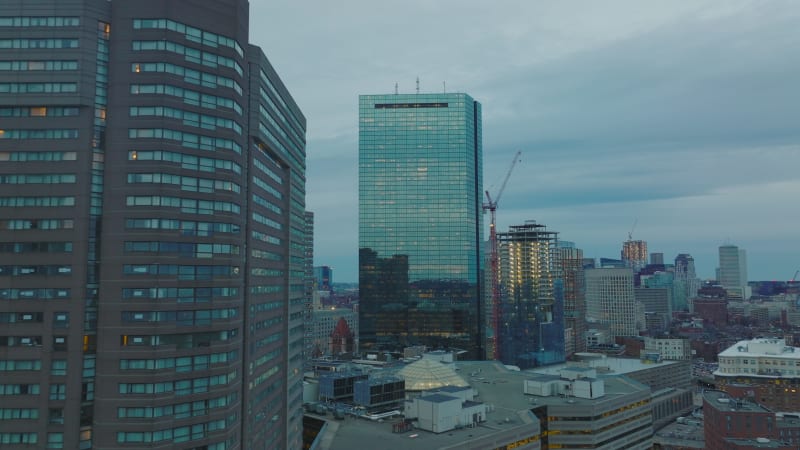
{"x":494,"y":259}
{"x":630,"y":233}
{"x":795,"y":276}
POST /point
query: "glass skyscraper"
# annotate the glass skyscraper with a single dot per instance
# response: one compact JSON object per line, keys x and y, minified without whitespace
{"x":420,"y":223}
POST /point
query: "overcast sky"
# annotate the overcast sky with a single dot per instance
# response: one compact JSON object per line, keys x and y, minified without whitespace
{"x":681,"y":116}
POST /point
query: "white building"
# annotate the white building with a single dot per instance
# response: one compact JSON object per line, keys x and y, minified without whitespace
{"x":670,"y":349}
{"x":446,"y":409}
{"x":760,"y":357}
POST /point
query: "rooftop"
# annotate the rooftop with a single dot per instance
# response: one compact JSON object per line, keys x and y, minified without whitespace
{"x":609,"y":365}
{"x":723,"y":402}
{"x":761,"y":347}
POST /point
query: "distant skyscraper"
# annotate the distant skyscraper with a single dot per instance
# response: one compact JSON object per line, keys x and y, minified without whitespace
{"x":571,"y":262}
{"x":420,"y":221}
{"x":733,"y":270}
{"x":610,"y":300}
{"x":656,"y":258}
{"x":634,"y":254}
{"x":152,"y":198}
{"x":686,"y":281}
{"x":324,"y":278}
{"x":531,"y":322}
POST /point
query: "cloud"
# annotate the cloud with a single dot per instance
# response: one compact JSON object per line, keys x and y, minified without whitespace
{"x":680,"y":113}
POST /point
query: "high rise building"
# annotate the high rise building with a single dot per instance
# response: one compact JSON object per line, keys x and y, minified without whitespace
{"x":610,"y":300}
{"x":634,"y":254}
{"x":324,"y":278}
{"x":531,"y":314}
{"x":570,"y":260}
{"x":152,"y":191}
{"x":420,"y":222}
{"x":733,"y":271}
{"x":686,"y":281}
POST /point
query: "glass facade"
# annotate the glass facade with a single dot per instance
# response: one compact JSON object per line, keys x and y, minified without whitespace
{"x":420,"y":223}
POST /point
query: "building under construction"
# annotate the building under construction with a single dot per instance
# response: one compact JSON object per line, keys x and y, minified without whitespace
{"x":531,"y":312}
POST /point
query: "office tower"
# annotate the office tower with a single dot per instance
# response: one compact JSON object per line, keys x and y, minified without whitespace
{"x":657,"y":258}
{"x":634,"y":254}
{"x":324,"y":278}
{"x":570,"y":260}
{"x":153,"y":199}
{"x":420,"y":222}
{"x":531,"y":313}
{"x":733,"y":271}
{"x":610,"y":300}
{"x":686,"y":281}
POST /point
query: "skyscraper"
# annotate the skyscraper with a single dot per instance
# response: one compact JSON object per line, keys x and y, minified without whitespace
{"x":634,"y":254}
{"x":610,"y":299}
{"x":420,"y":221}
{"x":152,"y":191}
{"x":531,"y":323}
{"x":733,"y":270}
{"x":570,"y":260}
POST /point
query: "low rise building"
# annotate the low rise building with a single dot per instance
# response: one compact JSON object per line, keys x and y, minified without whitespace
{"x":769,"y":366}
{"x":739,"y":424}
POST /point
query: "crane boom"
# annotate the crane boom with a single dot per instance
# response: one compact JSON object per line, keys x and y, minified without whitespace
{"x":491,"y":206}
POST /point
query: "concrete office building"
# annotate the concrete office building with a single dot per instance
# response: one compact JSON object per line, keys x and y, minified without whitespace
{"x":420,"y":222}
{"x":610,"y":300}
{"x":152,"y":191}
{"x":733,"y":271}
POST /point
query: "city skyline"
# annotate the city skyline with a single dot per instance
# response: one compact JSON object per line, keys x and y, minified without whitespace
{"x":622,"y":111}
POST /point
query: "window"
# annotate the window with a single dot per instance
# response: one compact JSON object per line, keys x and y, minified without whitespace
{"x":56,"y":416}
{"x":58,"y":367}
{"x":55,"y":440}
{"x":58,"y":392}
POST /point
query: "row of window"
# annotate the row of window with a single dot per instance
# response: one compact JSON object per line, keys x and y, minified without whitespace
{"x":38,"y":134}
{"x":34,"y":294}
{"x":265,"y":289}
{"x":192,"y":76}
{"x":39,"y":111}
{"x":263,"y":237}
{"x":260,"y":183}
{"x":20,"y":364}
{"x":188,"y":140}
{"x":177,"y":411}
{"x":18,"y":413}
{"x":38,"y":43}
{"x":37,"y":224}
{"x":187,"y":205}
{"x":190,"y":33}
{"x":179,"y":340}
{"x":265,"y":358}
{"x":265,"y":79}
{"x":19,"y":389}
{"x":38,"y":156}
{"x":179,"y":387}
{"x":21,"y":317}
{"x":41,"y":21}
{"x":24,"y":66}
{"x":186,"y":227}
{"x":176,"y":435}
{"x":190,"y":184}
{"x":35,"y":247}
{"x":180,"y":364}
{"x":263,"y":220}
{"x":189,"y":118}
{"x":36,"y":88}
{"x":181,"y":295}
{"x":189,"y":249}
{"x":189,"y":162}
{"x":182,"y":272}
{"x":35,"y":270}
{"x":193,"y":55}
{"x":264,"y":254}
{"x":269,"y":172}
{"x":18,"y":438}
{"x":48,"y":178}
{"x":48,"y":202}
{"x":182,"y":318}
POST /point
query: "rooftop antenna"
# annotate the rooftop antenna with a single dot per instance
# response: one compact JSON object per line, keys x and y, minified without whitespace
{"x":417,"y":85}
{"x":395,"y":89}
{"x":444,"y":87}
